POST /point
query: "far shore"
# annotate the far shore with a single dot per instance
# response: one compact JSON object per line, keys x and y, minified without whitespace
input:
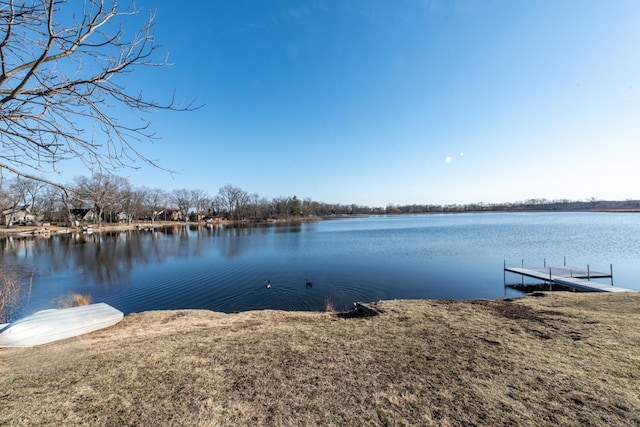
{"x":36,"y":230}
{"x":26,"y":230}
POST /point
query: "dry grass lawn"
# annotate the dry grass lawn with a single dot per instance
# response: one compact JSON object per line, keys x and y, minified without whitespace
{"x":563,"y":359}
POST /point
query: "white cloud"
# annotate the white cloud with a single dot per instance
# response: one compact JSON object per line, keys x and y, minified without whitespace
{"x":448,"y":159}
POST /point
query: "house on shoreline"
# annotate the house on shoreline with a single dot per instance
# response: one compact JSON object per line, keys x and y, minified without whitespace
{"x":82,"y":214}
{"x":18,"y":215}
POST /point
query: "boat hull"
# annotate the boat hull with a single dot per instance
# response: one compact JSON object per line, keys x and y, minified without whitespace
{"x":48,"y":326}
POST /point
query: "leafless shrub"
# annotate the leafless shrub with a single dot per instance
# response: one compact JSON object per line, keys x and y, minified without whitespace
{"x":329,"y":306}
{"x":10,"y":292}
{"x":74,"y":300}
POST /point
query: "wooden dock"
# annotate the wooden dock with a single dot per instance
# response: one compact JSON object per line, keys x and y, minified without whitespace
{"x":571,"y":277}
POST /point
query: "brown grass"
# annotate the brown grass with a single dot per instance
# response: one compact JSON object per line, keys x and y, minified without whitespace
{"x":74,"y":300}
{"x":565,"y":359}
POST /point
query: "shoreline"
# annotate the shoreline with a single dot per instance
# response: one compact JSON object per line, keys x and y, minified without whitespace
{"x":40,"y":230}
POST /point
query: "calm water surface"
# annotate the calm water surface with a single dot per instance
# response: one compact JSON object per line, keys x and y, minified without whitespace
{"x":225,"y":269}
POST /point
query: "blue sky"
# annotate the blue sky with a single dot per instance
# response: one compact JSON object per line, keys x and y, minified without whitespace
{"x":375,"y":102}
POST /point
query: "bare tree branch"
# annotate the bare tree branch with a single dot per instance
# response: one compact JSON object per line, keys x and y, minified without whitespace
{"x":36,"y":178}
{"x":62,"y":92}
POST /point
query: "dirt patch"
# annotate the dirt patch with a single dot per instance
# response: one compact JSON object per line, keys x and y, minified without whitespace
{"x":510,"y":310}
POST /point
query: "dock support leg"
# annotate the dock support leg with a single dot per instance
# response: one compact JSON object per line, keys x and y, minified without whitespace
{"x":504,"y":274}
{"x":611,"y":273}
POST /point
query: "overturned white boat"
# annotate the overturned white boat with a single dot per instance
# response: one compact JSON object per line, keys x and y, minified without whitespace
{"x":47,"y":326}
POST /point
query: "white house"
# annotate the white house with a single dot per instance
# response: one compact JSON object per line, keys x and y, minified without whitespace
{"x":17,"y":215}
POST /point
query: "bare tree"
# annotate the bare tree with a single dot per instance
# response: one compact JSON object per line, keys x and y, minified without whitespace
{"x":4,"y":196}
{"x":131,"y":201}
{"x":258,"y":207}
{"x":200,"y":201}
{"x":309,"y":207}
{"x":156,"y":202}
{"x":52,"y":204}
{"x":28,"y":191}
{"x":181,"y":198}
{"x":69,"y":201}
{"x":62,"y":65}
{"x":232,"y":201}
{"x":12,"y":194}
{"x":101,"y":191}
{"x":282,"y":206}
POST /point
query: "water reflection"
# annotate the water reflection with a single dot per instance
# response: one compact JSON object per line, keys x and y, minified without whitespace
{"x":109,"y":258}
{"x":226,"y":268}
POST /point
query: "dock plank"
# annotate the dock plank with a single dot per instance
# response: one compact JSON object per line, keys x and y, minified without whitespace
{"x":560,"y":278}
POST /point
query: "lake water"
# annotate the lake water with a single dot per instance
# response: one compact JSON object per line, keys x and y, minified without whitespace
{"x":356,"y":259}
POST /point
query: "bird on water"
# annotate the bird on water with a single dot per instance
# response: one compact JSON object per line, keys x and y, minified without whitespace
{"x":308,"y":283}
{"x":268,"y":285}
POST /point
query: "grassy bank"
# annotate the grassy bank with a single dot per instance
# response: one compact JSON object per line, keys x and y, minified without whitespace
{"x":565,"y":359}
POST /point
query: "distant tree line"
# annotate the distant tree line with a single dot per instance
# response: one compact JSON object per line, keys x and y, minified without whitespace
{"x":529,"y":205}
{"x":113,"y":199}
{"x":105,"y":198}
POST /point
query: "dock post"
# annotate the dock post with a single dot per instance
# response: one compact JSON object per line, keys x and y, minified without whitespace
{"x":550,"y":282}
{"x":545,"y":263}
{"x":611,"y":273}
{"x":588,"y":273}
{"x":522,"y":276}
{"x":565,"y":260}
{"x":504,"y":274}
